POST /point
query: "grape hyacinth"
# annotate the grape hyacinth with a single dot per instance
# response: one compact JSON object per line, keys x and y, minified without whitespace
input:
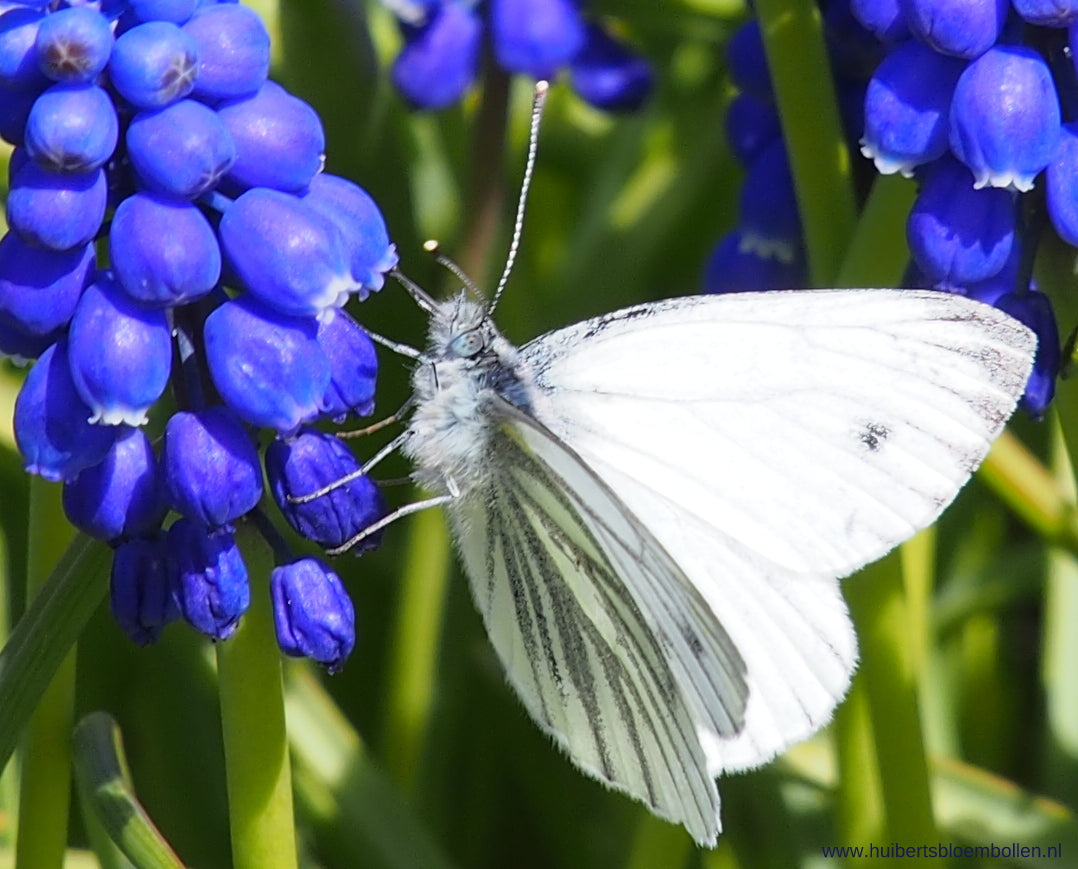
{"x":977,"y":101}
{"x":444,"y":42}
{"x":210,"y":308}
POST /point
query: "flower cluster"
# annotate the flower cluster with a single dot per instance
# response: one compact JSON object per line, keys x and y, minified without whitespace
{"x":766,"y":250}
{"x":171,"y":226}
{"x":966,"y":99}
{"x":444,"y":41}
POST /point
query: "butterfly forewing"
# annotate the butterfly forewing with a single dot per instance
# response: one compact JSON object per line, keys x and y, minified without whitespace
{"x":774,"y":442}
{"x":612,"y":650}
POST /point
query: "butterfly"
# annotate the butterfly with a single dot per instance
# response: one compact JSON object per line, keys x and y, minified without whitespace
{"x":654,"y":506}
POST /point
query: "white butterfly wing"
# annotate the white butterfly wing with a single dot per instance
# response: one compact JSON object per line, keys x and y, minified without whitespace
{"x":772,"y":442}
{"x":613,"y":651}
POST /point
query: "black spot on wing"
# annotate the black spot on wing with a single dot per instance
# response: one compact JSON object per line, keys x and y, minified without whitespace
{"x":873,"y":435}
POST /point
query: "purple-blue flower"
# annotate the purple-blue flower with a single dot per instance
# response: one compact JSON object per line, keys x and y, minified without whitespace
{"x":732,"y":269}
{"x":1035,"y":310}
{"x":443,"y":43}
{"x":141,"y":589}
{"x":182,"y":150}
{"x":286,"y":253}
{"x":154,"y":64}
{"x":958,"y":234}
{"x":210,"y":466}
{"x":309,"y":462}
{"x":907,"y":107}
{"x":209,"y":579}
{"x":221,"y":246}
{"x":59,"y":211}
{"x":353,"y":366}
{"x":963,"y":28}
{"x":120,"y":353}
{"x":1061,"y":185}
{"x":52,"y":422}
{"x":279,"y":140}
{"x":72,"y":128}
{"x":164,"y":251}
{"x":39,"y":288}
{"x":267,"y":366}
{"x":121,"y":496}
{"x":74,"y":44}
{"x":1005,"y":117}
{"x":312,"y":613}
{"x":352,"y":210}
{"x":234,"y":51}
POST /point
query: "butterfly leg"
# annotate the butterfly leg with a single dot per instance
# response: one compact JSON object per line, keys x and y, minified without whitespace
{"x":406,"y":510}
{"x":391,"y":447}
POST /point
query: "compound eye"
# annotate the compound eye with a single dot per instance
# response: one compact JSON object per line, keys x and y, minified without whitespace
{"x":467,"y":344}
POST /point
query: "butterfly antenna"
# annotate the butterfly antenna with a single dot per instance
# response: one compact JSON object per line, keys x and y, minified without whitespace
{"x":431,"y":247}
{"x":538,"y":102}
{"x":418,"y":294}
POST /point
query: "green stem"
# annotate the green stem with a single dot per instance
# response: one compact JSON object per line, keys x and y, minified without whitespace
{"x":253,"y":725}
{"x":879,"y":608}
{"x":46,"y":759}
{"x":878,"y":254}
{"x":414,"y":662}
{"x":805,"y":93}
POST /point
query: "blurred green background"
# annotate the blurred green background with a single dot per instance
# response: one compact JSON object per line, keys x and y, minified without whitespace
{"x":962,"y":726}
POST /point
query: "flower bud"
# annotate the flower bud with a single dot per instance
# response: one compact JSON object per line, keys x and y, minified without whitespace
{"x":121,"y":496}
{"x":52,"y":427}
{"x":1005,"y":118}
{"x":74,"y":44}
{"x":309,"y":462}
{"x":906,"y":108}
{"x":210,"y":466}
{"x":608,"y":75}
{"x":1035,"y":311}
{"x":963,"y":28}
{"x":770,"y":221}
{"x":536,"y":37}
{"x":267,"y":366}
{"x":353,"y":366}
{"x":1047,"y":13}
{"x":176,"y":11}
{"x":751,"y":125}
{"x":747,"y":61}
{"x":731,"y":269}
{"x":234,"y":48}
{"x":958,"y":234}
{"x":164,"y":251}
{"x":56,"y":211}
{"x":141,"y":592}
{"x":120,"y":353}
{"x":72,"y":128}
{"x":154,"y":64}
{"x":287,"y":254}
{"x":883,"y":18}
{"x":39,"y":288}
{"x":182,"y":150}
{"x":210,"y":579}
{"x":279,"y":140}
{"x":20,"y":67}
{"x":312,"y":613}
{"x":1061,"y":186}
{"x":440,"y":56}
{"x":357,"y":216}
